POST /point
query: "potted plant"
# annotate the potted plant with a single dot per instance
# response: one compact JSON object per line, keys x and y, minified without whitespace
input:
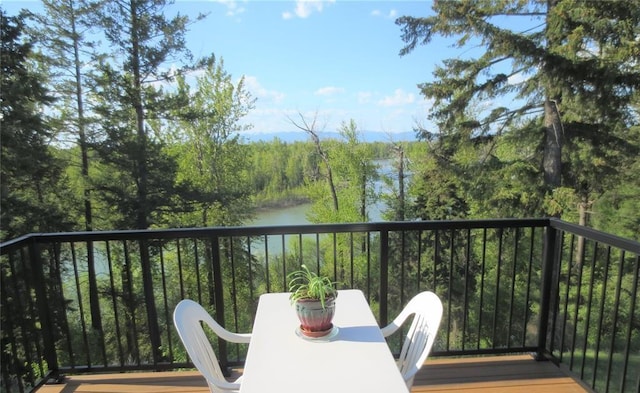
{"x":314,"y":299}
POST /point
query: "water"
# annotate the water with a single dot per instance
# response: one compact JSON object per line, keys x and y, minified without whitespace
{"x":293,"y":215}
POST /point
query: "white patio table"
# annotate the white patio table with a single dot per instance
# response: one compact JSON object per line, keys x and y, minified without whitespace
{"x":355,"y":359}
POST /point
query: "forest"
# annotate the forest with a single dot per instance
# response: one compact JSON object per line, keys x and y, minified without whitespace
{"x":115,"y":140}
{"x":92,"y":141}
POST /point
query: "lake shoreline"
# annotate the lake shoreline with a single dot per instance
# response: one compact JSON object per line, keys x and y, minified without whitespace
{"x":291,"y":201}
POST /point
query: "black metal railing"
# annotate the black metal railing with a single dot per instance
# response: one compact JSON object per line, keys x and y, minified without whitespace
{"x":103,"y":301}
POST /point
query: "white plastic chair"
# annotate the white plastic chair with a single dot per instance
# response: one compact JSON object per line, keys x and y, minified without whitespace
{"x":427,"y":310}
{"x":186,"y":318}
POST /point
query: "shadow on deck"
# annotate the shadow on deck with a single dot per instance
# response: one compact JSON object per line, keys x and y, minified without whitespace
{"x":500,"y":374}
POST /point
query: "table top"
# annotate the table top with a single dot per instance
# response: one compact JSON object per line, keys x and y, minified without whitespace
{"x":356,"y":359}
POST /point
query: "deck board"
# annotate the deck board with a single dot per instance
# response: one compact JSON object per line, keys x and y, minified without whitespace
{"x":498,"y":374}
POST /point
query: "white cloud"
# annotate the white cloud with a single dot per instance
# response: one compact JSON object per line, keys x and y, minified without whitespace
{"x":364,"y":97}
{"x":233,"y":9}
{"x":329,"y":91}
{"x":517,"y":78}
{"x":304,"y":8}
{"x":259,"y":91}
{"x":392,"y":14}
{"x":399,"y":97}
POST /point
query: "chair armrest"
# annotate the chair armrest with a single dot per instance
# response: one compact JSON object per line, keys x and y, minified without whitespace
{"x":240,"y":338}
{"x":396,"y":323}
{"x":389,"y":329}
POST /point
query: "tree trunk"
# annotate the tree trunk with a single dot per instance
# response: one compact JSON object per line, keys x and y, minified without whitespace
{"x":583,"y":220}
{"x":96,"y":318}
{"x":552,"y":159}
{"x":553,"y":131}
{"x":400,"y":213}
{"x":141,"y":219}
{"x":310,"y":129}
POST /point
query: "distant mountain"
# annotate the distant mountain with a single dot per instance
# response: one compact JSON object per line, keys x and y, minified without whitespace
{"x":297,"y":136}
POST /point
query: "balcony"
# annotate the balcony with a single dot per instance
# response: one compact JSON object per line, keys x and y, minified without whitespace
{"x":78,"y":303}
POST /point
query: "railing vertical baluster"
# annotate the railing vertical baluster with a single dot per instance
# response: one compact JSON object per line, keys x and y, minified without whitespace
{"x":94,"y":299}
{"x":115,"y":304}
{"x":334,"y":246}
{"x":525,"y":320}
{"x":436,"y":256}
{"x":18,"y":362}
{"x":589,"y":303}
{"x":580,"y":257}
{"x":300,"y":256}
{"x":496,"y":303}
{"x":59,"y":293}
{"x":180,"y":274}
{"x":555,"y":299}
{"x":514,"y":266}
{"x":284,"y":264}
{"x":482,"y":277}
{"x":234,"y":288}
{"x":384,"y":276}
{"x":549,"y":261}
{"x":127,"y":288}
{"x":418,"y":286}
{"x":150,"y":302}
{"x":351,"y":251}
{"x":219,"y":297}
{"x":196,"y":267}
{"x":616,"y":310}
{"x":317,"y":252}
{"x":44,"y":315}
{"x":266,"y":265}
{"x":250,"y":269}
{"x":9,"y":368}
{"x":565,"y":319}
{"x":632,"y":309}
{"x":450,"y":298}
{"x":605,"y":279}
{"x":369,"y":266}
{"x":30,"y":336}
{"x":167,"y":313}
{"x":402,"y":267}
{"x":465,"y":311}
{"x":83,"y":325}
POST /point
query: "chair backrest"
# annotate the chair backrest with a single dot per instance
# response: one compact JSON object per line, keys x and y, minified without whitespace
{"x":426,"y":309}
{"x":187,"y":318}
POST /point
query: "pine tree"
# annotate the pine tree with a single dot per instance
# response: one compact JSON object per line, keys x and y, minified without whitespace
{"x":141,"y":179}
{"x":32,"y":182}
{"x":566,"y":73}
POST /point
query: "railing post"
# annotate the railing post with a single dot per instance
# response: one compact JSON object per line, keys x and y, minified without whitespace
{"x":219,"y":299}
{"x":384,"y":276}
{"x":548,"y":265}
{"x":44,"y":314}
{"x":150,"y":302}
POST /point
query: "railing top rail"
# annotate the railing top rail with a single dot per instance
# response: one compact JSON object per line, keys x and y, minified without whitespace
{"x":599,"y":236}
{"x":141,"y":234}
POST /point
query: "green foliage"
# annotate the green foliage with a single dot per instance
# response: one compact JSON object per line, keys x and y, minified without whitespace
{"x":539,"y":120}
{"x":305,"y":284}
{"x":351,"y":172}
{"x":33,"y":197}
{"x":213,"y":165}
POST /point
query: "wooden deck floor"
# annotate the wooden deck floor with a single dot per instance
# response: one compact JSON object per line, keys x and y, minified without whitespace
{"x":498,"y":374}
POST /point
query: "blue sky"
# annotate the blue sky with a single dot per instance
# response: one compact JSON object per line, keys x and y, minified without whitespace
{"x":337,"y":59}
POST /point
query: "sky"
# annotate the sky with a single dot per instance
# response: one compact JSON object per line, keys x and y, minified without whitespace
{"x":335,"y":60}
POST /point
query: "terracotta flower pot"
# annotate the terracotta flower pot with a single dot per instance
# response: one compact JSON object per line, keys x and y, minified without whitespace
{"x":315,"y":320}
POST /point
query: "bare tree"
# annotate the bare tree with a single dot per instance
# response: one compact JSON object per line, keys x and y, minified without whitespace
{"x":310,"y":128}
